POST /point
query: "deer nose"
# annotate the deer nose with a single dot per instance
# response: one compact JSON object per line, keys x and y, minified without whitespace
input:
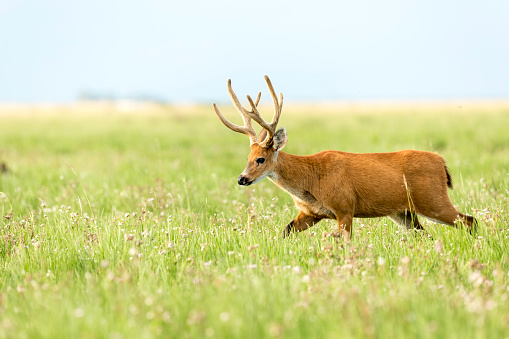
{"x":242,"y":180}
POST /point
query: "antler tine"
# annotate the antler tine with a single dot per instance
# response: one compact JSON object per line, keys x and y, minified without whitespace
{"x":278,"y":106}
{"x":258,"y":98}
{"x":255,"y":115}
{"x":236,"y":128}
{"x":236,"y":102}
{"x":247,"y":129}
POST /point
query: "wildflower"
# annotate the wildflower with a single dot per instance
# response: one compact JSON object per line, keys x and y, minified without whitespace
{"x":167,"y":317}
{"x":439,"y":246}
{"x":476,"y":278}
{"x":78,"y":313}
{"x":195,"y":318}
{"x":224,"y":316}
{"x":43,"y":203}
{"x":275,"y":330}
{"x":252,"y":248}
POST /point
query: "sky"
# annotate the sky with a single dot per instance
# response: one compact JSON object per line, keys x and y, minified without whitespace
{"x":54,"y":51}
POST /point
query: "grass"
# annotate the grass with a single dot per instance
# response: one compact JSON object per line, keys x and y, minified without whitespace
{"x":131,"y":224}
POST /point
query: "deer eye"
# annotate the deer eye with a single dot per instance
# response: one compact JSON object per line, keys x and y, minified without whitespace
{"x":260,"y":160}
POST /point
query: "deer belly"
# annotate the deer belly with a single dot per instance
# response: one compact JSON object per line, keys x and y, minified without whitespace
{"x":380,"y":206}
{"x":313,"y":207}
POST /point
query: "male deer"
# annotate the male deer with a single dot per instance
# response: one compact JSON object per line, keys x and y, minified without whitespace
{"x":339,"y":185}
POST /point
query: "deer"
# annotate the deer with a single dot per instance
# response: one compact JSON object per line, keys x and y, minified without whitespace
{"x":341,"y":186}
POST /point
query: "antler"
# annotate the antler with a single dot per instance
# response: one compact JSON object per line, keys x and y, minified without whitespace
{"x":247,"y":129}
{"x":278,"y":106}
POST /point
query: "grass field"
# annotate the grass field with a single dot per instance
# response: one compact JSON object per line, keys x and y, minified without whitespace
{"x":120,"y":224}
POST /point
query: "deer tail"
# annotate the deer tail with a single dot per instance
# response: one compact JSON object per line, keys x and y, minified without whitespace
{"x":449,"y":179}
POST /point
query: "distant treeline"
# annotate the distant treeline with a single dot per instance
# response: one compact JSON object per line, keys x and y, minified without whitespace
{"x":104,"y":96}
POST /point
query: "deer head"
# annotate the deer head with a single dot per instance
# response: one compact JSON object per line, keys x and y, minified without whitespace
{"x":264,"y":149}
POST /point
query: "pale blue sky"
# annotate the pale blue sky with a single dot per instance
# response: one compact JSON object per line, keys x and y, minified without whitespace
{"x":184,"y":51}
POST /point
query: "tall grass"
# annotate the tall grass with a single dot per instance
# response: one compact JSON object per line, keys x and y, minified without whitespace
{"x":132,"y":225}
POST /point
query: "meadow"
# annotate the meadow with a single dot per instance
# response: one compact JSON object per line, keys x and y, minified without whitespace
{"x":129,"y":223}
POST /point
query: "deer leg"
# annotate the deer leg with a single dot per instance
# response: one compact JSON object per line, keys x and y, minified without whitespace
{"x":345,"y":226}
{"x":470,"y":221}
{"x":407,"y":219}
{"x":301,"y":223}
{"x":449,"y":215}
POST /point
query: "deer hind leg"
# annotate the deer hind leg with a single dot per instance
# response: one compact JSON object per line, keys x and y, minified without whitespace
{"x":470,"y":221}
{"x":450,"y":216}
{"x":407,"y":219}
{"x":301,"y":223}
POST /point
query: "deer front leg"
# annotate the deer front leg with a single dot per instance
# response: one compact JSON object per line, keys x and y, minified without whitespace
{"x":301,"y":223}
{"x":345,"y":226}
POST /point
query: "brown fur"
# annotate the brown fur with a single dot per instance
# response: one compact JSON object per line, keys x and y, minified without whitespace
{"x":339,"y":185}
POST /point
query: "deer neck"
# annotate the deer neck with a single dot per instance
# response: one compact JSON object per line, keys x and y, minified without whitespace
{"x":291,"y":173}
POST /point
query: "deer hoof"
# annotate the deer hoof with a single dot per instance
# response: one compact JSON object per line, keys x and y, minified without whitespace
{"x":286,"y":232}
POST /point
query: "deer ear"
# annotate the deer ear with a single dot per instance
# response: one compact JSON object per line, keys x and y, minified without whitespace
{"x":280,"y":138}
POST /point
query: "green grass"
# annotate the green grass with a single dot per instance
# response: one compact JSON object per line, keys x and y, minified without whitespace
{"x":130,"y":225}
